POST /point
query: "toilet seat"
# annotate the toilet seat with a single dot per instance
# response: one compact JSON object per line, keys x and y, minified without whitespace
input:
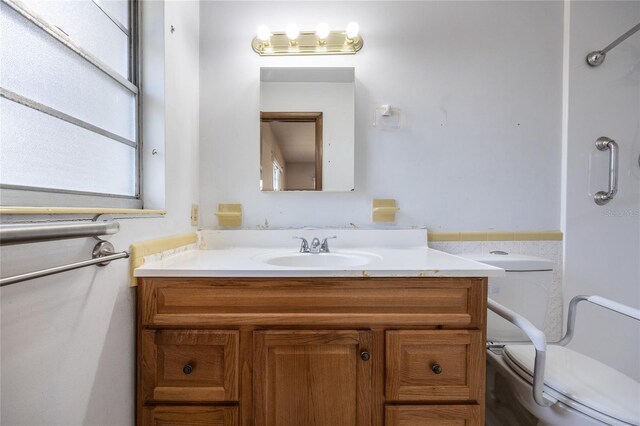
{"x":581,"y":382}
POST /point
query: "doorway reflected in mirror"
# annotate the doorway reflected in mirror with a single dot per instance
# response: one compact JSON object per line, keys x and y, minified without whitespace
{"x":291,"y":151}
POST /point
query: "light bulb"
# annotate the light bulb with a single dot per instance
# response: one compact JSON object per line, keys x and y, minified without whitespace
{"x":263,"y":33}
{"x":322,"y":30}
{"x":292,"y":31}
{"x":352,"y":30}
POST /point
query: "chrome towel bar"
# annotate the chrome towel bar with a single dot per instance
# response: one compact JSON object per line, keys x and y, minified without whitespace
{"x":102,"y":254}
{"x":36,"y":232}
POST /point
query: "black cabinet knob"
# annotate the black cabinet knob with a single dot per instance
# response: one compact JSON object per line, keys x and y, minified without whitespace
{"x":365,"y":356}
{"x":436,"y":368}
{"x":187,"y":369}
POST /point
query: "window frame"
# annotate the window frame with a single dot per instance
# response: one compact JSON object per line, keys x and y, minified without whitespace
{"x":29,"y":196}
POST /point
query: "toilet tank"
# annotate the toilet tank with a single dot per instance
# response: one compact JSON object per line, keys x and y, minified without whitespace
{"x":525,"y":289}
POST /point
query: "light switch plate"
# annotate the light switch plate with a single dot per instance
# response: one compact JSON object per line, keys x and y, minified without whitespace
{"x":194,"y":214}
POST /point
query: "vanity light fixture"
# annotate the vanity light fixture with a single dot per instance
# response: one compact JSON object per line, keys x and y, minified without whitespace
{"x":263,"y":33}
{"x":292,"y":33}
{"x":322,"y":41}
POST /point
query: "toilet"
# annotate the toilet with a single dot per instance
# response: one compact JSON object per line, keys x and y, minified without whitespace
{"x":581,"y":391}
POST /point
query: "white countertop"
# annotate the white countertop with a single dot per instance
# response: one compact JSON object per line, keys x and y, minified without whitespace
{"x":418,"y":261}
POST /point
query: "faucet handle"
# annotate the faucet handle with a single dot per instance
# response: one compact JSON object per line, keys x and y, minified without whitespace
{"x":324,"y":248}
{"x":304,"y":246}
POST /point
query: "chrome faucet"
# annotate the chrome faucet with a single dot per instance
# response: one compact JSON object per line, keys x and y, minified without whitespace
{"x":316,"y":246}
{"x":324,"y":248}
{"x":304,"y":246}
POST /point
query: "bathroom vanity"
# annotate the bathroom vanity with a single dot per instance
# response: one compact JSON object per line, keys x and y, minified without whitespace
{"x":249,"y":344}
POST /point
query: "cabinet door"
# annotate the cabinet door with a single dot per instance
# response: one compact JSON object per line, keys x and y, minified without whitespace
{"x":312,"y":378}
{"x":433,"y":415}
{"x":189,"y":416}
{"x":189,"y":365}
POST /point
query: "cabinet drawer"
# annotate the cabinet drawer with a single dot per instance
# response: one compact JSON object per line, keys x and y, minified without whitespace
{"x":433,"y":415}
{"x":189,"y":416}
{"x":434,"y":365}
{"x":330,"y":302}
{"x":198,"y":366}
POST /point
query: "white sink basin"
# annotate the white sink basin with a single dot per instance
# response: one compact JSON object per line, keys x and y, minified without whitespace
{"x":319,"y":260}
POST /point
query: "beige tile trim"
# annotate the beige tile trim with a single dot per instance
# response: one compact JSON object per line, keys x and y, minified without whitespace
{"x":539,"y":236}
{"x":76,"y":210}
{"x":138,"y":251}
{"x":496,"y":236}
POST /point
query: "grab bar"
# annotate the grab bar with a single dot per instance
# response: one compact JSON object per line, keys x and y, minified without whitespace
{"x":599,"y":301}
{"x":603,"y":143}
{"x":36,"y":232}
{"x":102,"y":254}
{"x":539,"y":341}
{"x":595,"y":58}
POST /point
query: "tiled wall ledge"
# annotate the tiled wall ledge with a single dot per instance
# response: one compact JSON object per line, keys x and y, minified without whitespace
{"x":152,"y":250}
{"x":543,"y":244}
{"x":496,"y":236}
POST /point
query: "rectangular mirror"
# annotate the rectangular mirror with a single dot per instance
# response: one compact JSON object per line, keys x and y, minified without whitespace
{"x":307,"y":132}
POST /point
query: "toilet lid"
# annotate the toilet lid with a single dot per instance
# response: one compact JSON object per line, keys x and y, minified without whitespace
{"x":584,"y":380}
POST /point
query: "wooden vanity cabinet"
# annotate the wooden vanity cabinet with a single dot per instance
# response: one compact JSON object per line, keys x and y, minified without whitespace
{"x":311,"y":351}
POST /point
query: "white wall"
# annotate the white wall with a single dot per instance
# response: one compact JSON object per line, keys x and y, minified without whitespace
{"x":268,"y":151}
{"x":300,"y":175}
{"x":602,"y":243}
{"x":68,"y":341}
{"x":479,"y":85}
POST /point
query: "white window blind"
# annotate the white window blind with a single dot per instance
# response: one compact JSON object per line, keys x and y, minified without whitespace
{"x":69,"y":107}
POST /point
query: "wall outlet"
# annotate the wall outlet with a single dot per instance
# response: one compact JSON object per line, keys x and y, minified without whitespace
{"x":194,"y":214}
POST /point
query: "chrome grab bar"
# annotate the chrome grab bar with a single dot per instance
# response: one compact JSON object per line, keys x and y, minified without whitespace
{"x":597,"y":57}
{"x":102,"y":254}
{"x":36,"y":232}
{"x":603,"y":143}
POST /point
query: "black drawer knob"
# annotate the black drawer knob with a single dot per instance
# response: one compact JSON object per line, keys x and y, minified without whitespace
{"x":365,"y":356}
{"x":436,"y":368}
{"x":187,"y":369}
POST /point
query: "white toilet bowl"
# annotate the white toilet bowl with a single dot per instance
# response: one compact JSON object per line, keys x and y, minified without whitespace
{"x":583,"y":391}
